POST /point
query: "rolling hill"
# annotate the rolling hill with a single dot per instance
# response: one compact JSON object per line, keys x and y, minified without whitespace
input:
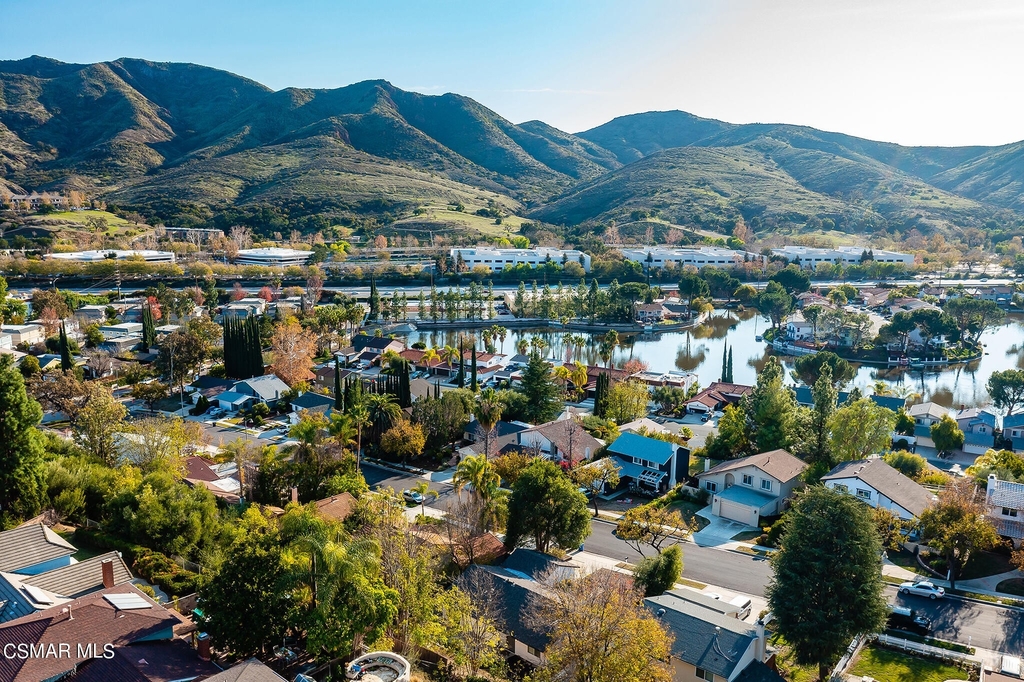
{"x":162,"y":137}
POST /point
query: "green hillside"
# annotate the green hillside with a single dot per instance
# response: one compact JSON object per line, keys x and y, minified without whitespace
{"x":183,"y":144}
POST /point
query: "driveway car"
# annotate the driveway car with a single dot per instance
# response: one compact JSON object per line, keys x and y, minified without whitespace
{"x":922,"y":589}
{"x":412,"y":496}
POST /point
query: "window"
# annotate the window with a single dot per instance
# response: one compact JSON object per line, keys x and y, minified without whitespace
{"x":707,"y":675}
{"x":1009,"y":511}
{"x":841,"y":488}
{"x":766,"y":484}
{"x":748,"y":479}
{"x":710,"y":486}
{"x":863,"y":494}
{"x":533,"y":652}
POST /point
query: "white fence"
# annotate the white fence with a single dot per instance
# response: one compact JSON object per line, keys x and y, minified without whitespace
{"x":924,"y":649}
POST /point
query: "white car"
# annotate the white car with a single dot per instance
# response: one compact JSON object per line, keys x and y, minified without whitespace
{"x":922,"y":589}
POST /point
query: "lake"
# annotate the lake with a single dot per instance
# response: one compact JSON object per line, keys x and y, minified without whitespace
{"x":700,"y":351}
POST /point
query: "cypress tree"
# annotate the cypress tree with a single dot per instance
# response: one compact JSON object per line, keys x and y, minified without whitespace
{"x":66,"y":365}
{"x":725,"y":363}
{"x":601,"y":396}
{"x":148,"y":328}
{"x":474,"y":385}
{"x":230,"y":348}
{"x":460,"y":377}
{"x":374,"y":300}
{"x":729,"y":373}
{"x":339,"y":399}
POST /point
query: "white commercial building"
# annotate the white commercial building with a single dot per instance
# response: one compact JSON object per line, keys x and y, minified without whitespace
{"x":272,"y":256}
{"x":809,"y":257}
{"x":499,"y":259}
{"x":660,"y":256}
{"x":114,"y":254}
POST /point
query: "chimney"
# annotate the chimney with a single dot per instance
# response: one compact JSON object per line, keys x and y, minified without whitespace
{"x":295,"y":494}
{"x":203,"y":646}
{"x":990,"y":487}
{"x":707,"y":464}
{"x":760,"y":648}
{"x":108,"y":573}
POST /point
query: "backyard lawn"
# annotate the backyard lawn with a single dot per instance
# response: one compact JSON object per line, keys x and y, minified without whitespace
{"x":886,"y":665}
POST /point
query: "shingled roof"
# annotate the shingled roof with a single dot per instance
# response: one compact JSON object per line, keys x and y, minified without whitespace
{"x":85,"y":621}
{"x":778,"y":464}
{"x":887,"y":481}
{"x":246,"y":671}
{"x":148,"y":661}
{"x":79,"y":579}
{"x":30,"y":545}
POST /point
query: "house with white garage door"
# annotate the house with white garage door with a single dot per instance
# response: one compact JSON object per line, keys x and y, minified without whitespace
{"x":746,"y":489}
{"x":879,"y":485}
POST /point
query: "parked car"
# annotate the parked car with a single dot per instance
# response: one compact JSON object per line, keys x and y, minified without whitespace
{"x":412,"y":497}
{"x":922,"y":589}
{"x":908,"y":620}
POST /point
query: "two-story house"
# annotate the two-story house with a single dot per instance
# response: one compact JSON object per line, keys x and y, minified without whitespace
{"x":711,"y":647}
{"x":1013,"y":430}
{"x":649,"y":462}
{"x":979,"y":427}
{"x":746,"y":489}
{"x":924,"y":416}
{"x":880,"y":486}
{"x":1005,"y":502}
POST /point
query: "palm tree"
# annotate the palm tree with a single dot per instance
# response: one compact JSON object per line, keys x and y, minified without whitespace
{"x":538,"y":344}
{"x":343,"y":430}
{"x":579,"y":341}
{"x":360,"y":417}
{"x":488,"y":338}
{"x":567,"y":340}
{"x":423,"y":488}
{"x":488,"y":413}
{"x":500,"y":333}
{"x":429,"y":356}
{"x":522,"y":345}
{"x":383,"y":412}
{"x":563,"y":374}
{"x":580,"y":378}
{"x":450,"y":355}
{"x":477,"y":472}
{"x":607,"y":348}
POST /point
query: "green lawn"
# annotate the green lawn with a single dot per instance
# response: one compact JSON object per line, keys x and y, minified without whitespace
{"x":689,"y":509}
{"x":1012,"y":586}
{"x":980,"y":565}
{"x":84,"y":552}
{"x":886,"y":665}
{"x":747,"y":536}
{"x":905,"y":559}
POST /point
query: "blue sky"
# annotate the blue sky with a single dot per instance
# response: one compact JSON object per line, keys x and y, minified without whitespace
{"x":914,"y":72}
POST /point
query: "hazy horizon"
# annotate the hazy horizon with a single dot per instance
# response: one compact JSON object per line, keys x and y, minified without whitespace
{"x":914,"y":73}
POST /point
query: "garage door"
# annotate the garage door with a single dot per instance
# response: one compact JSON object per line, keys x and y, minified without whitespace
{"x":734,"y":511}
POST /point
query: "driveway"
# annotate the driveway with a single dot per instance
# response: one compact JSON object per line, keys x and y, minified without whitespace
{"x":720,"y":531}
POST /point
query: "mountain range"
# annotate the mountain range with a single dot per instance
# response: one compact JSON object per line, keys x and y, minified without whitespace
{"x":173,"y":138}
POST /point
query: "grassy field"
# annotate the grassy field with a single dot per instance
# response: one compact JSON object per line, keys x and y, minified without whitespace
{"x":463,"y":220}
{"x":886,"y":665}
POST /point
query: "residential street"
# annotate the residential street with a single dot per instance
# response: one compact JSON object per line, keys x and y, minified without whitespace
{"x":982,"y":625}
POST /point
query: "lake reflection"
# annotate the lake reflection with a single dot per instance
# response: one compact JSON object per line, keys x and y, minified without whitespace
{"x":700,"y":350}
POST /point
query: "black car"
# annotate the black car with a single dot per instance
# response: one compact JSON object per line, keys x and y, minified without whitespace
{"x":908,"y":620}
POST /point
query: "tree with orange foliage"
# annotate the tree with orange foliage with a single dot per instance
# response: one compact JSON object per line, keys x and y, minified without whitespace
{"x":267,"y":294}
{"x":293,"y":351}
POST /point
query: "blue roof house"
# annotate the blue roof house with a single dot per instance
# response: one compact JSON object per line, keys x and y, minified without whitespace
{"x":649,"y":462}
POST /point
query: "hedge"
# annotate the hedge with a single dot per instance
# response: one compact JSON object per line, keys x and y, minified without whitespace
{"x":146,"y":563}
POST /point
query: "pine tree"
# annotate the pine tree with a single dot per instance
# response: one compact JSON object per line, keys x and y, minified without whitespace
{"x":729,"y":372}
{"x":148,"y":328}
{"x":339,"y":398}
{"x":473,"y":385}
{"x":21,"y":448}
{"x":66,"y":364}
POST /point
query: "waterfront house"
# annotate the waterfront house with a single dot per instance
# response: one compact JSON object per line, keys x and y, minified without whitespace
{"x":1005,"y":503}
{"x":1013,"y":430}
{"x":979,"y":426}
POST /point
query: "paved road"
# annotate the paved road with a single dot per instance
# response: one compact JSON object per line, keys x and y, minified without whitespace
{"x":378,"y":477}
{"x":981,"y":625}
{"x":731,"y":570}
